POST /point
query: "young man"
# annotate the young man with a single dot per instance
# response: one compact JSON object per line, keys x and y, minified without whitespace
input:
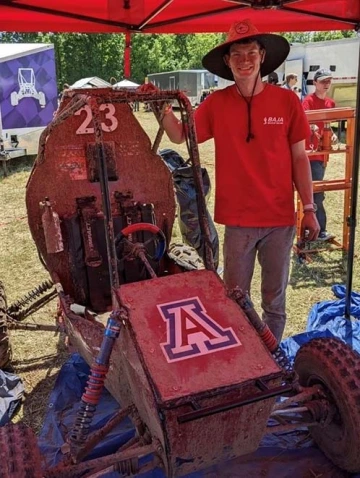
{"x":319,"y":101}
{"x":259,"y":132}
{"x":290,"y":81}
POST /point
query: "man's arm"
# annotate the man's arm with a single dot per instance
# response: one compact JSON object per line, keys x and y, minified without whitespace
{"x":303,"y":183}
{"x":173,"y":126}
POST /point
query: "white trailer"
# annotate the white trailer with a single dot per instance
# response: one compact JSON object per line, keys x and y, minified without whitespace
{"x":28,"y":94}
{"x":339,"y":56}
{"x":191,"y":82}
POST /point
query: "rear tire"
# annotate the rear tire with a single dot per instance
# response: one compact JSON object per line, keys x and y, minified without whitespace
{"x":334,"y":365}
{"x":19,"y":452}
{"x":5,"y":347}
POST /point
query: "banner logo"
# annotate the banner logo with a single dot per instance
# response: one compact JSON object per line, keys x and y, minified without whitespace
{"x":191,"y":331}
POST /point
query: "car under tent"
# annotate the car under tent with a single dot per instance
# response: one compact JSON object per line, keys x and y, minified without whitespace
{"x":150,"y":16}
{"x":187,"y":16}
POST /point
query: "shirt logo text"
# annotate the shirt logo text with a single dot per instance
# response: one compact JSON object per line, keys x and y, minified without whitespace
{"x":273,"y":120}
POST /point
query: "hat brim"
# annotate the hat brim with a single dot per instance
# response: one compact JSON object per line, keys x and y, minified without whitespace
{"x":325,"y":77}
{"x":277,"y":49}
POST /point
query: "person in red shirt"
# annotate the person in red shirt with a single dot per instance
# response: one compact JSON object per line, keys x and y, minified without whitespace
{"x":319,"y":101}
{"x":259,"y":132}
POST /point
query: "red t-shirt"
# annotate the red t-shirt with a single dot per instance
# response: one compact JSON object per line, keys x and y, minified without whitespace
{"x":313,"y":102}
{"x":254,"y":181}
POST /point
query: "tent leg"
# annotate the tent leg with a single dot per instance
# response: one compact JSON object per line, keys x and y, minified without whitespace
{"x":354,"y":194}
{"x":127,"y":55}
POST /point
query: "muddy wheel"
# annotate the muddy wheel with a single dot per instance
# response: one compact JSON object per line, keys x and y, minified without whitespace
{"x":5,"y":348}
{"x":19,"y":452}
{"x":336,"y":367}
{"x":185,"y":256}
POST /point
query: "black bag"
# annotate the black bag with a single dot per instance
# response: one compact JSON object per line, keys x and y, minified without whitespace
{"x":186,"y":197}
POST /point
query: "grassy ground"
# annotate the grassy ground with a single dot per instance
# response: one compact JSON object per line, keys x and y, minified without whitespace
{"x":38,"y":355}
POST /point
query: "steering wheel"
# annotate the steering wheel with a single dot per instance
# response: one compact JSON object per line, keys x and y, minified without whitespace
{"x":135,"y":249}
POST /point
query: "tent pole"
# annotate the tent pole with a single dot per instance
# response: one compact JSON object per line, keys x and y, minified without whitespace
{"x":354,"y":195}
{"x":127,"y":55}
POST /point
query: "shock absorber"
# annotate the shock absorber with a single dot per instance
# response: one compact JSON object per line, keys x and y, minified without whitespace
{"x":95,"y":384}
{"x":244,"y":301}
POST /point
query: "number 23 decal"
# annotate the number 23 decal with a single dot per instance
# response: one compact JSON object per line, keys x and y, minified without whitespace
{"x":110,"y":124}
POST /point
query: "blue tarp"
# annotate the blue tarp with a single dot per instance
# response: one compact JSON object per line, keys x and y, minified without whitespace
{"x":327,"y":319}
{"x":286,"y":455}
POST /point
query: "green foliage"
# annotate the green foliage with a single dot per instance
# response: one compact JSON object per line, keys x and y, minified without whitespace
{"x":86,"y":55}
{"x":81,"y":56}
{"x":13,"y":37}
{"x":158,"y":53}
{"x":305,"y":37}
{"x":200,"y":44}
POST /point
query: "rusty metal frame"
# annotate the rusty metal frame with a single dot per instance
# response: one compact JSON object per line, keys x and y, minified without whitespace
{"x":94,"y":100}
{"x":211,"y":410}
{"x":99,"y":464}
{"x":136,"y":449}
{"x":101,"y":96}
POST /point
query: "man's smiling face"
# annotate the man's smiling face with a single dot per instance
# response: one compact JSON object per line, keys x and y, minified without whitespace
{"x":244,"y":60}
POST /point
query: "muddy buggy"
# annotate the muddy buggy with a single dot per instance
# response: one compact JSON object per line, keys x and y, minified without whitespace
{"x":187,"y":359}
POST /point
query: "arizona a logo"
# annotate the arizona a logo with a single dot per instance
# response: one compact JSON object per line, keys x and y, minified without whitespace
{"x":191,"y":331}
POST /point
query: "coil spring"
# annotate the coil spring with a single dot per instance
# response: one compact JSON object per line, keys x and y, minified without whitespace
{"x":95,"y":384}
{"x":282,"y":360}
{"x":269,"y":339}
{"x":30,"y":297}
{"x":89,"y":400}
{"x":24,"y":312}
{"x":82,"y":424}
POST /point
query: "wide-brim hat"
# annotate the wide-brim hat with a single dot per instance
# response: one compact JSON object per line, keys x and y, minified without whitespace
{"x":277,"y":49}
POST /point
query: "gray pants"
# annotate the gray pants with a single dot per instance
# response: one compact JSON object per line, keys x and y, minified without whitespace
{"x":273,"y":247}
{"x":318,"y":173}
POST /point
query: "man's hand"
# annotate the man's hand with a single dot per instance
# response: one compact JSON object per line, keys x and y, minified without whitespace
{"x":309,"y":227}
{"x":315,"y":131}
{"x":334,"y":139}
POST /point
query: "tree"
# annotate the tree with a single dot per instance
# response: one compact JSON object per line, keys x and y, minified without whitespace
{"x":199,"y":45}
{"x":305,"y":37}
{"x":81,"y":56}
{"x":86,"y":55}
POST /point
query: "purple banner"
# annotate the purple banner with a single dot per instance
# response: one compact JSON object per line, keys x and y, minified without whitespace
{"x":28,"y":90}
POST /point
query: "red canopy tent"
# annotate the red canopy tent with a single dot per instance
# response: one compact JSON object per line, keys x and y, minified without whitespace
{"x":176,"y":16}
{"x":191,"y":16}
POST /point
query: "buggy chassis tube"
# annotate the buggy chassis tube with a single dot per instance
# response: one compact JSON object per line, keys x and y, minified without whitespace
{"x":106,"y":205}
{"x":212,"y":410}
{"x":186,"y":112}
